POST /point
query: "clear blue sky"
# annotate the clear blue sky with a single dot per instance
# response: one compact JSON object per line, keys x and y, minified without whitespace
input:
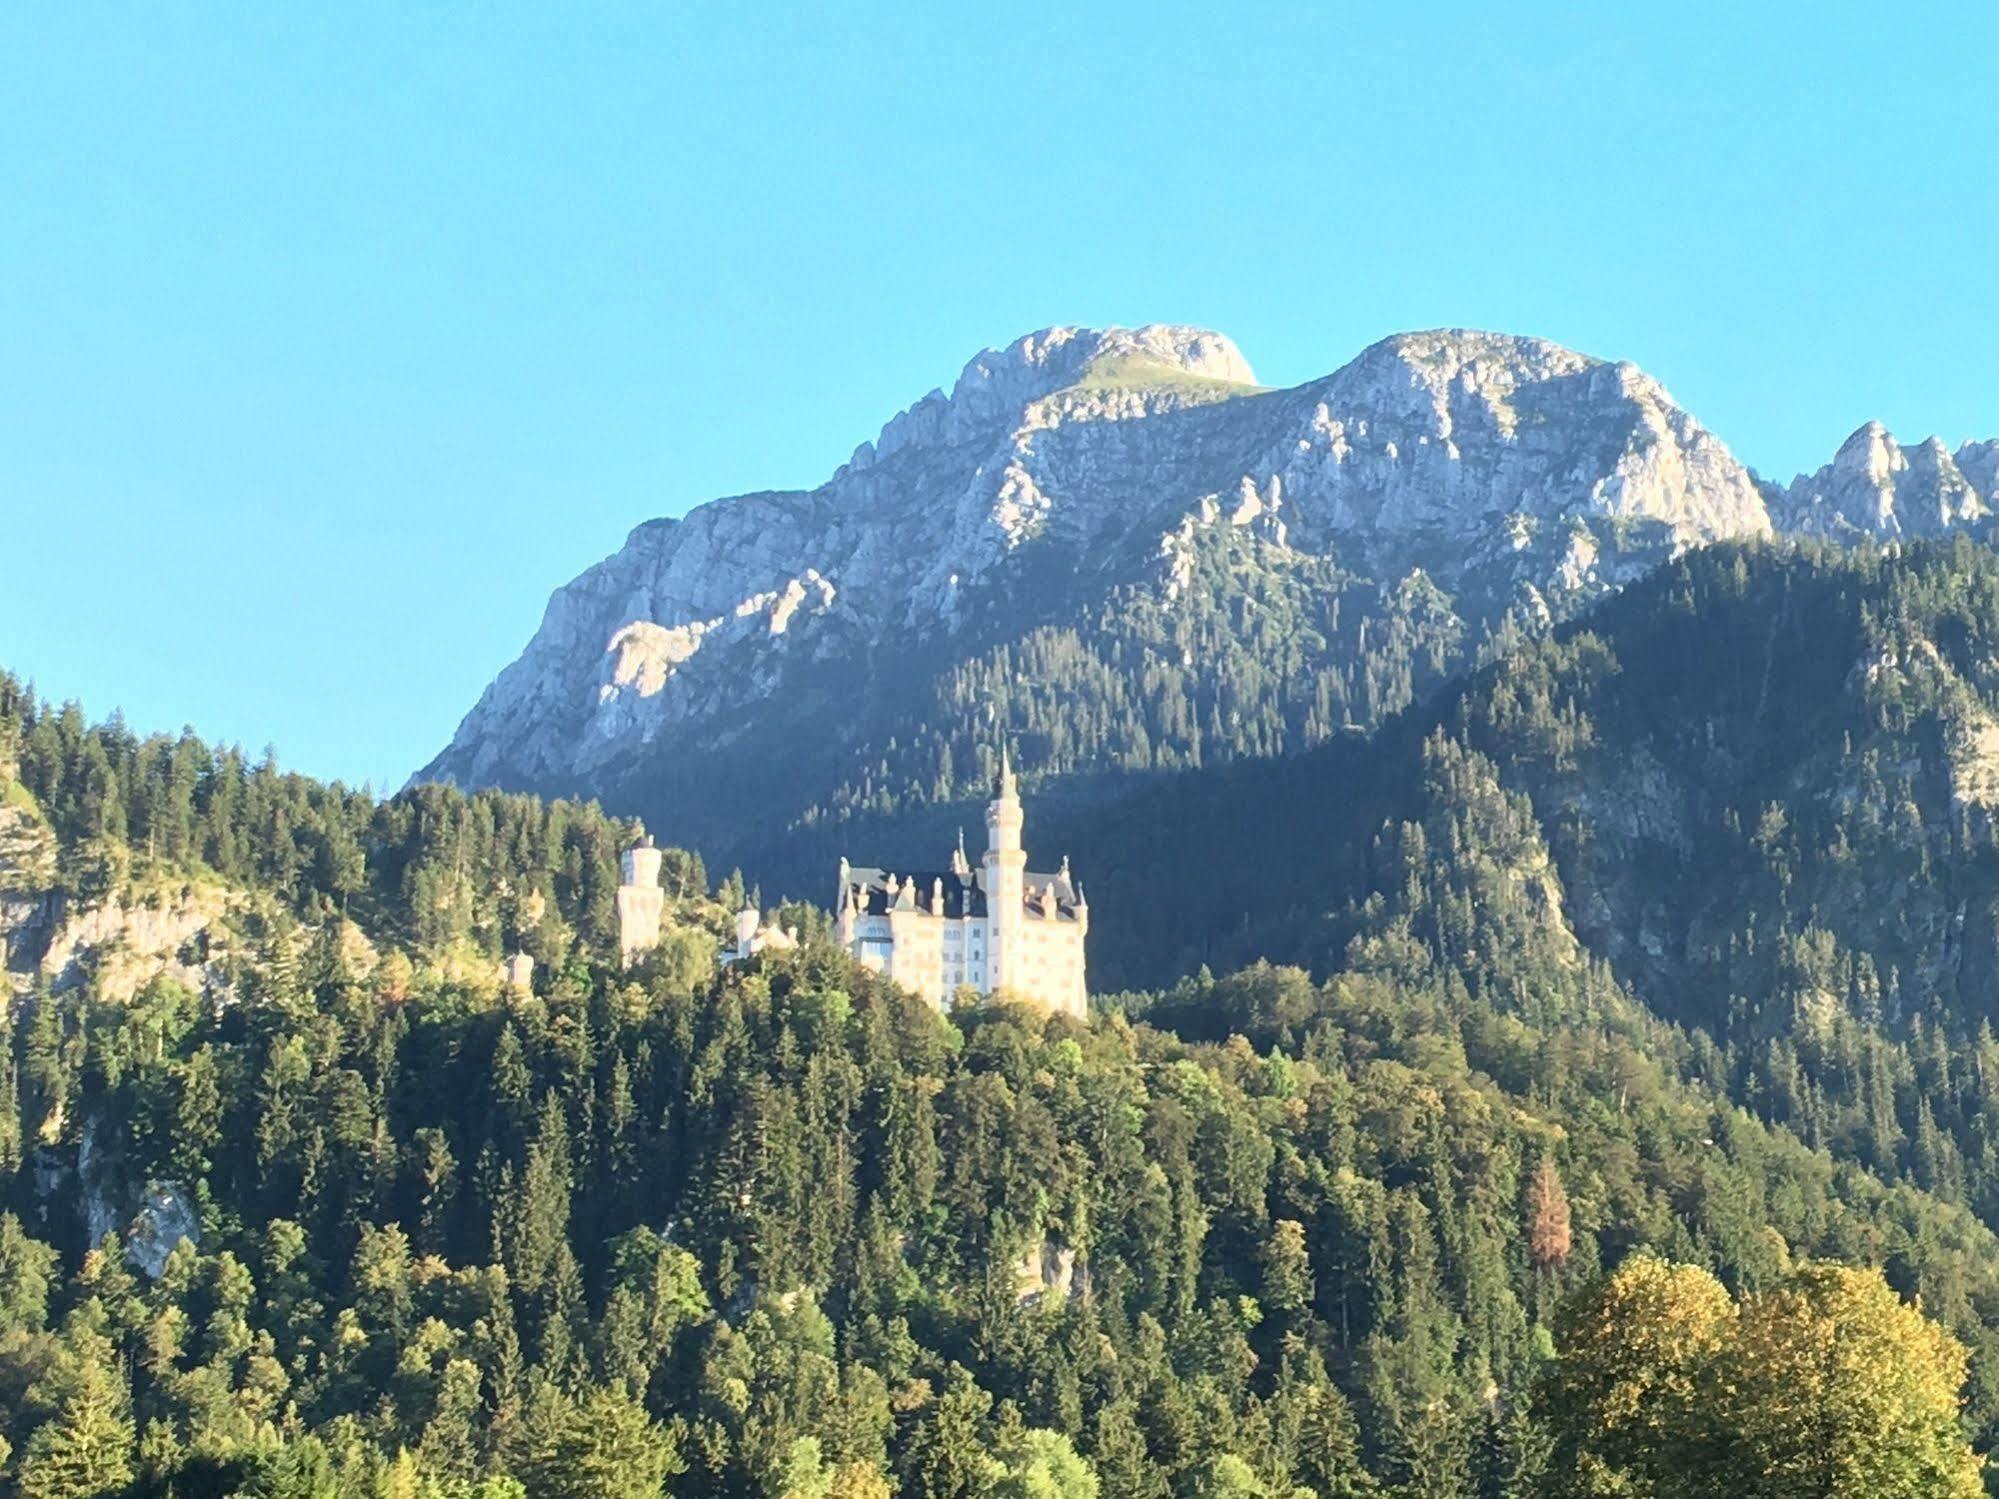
{"x":332,"y":338}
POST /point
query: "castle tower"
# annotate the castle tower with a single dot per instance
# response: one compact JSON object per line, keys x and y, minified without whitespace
{"x":1005,"y":881}
{"x":641,"y":902}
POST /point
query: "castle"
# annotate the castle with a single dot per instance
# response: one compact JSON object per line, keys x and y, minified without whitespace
{"x":1000,"y":926}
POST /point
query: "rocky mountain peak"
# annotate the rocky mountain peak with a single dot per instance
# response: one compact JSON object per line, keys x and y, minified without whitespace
{"x":1875,"y":487}
{"x":1118,"y":546}
{"x":1979,"y":463}
{"x":997,"y":386}
{"x":1869,"y":455}
{"x":1081,"y":480}
{"x":1438,"y":360}
{"x":1476,"y":442}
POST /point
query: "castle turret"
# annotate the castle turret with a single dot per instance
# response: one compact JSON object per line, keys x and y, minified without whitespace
{"x":641,"y":902}
{"x":641,"y":864}
{"x":847,"y":917}
{"x":1005,"y":879}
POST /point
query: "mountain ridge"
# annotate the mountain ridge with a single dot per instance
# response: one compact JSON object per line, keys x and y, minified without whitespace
{"x":1874,"y":486}
{"x":1131,"y":500}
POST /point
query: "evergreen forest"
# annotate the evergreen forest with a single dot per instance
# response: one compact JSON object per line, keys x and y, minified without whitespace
{"x":1575,"y":1087}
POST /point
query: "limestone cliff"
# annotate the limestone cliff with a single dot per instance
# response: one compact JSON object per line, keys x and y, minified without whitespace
{"x":1875,"y":487}
{"x":1074,"y":481}
{"x":121,"y":939}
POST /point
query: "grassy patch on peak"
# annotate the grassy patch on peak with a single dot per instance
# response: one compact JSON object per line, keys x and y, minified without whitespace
{"x":1110,"y":372}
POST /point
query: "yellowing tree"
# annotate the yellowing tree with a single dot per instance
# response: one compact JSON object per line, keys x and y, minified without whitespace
{"x":1826,"y":1387}
{"x":1837,"y":1389}
{"x":807,"y":1475}
{"x":1628,"y":1398}
{"x":859,"y":1481}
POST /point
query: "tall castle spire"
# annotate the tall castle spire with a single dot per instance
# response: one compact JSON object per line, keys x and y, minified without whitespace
{"x":1003,"y":813}
{"x":641,"y":901}
{"x":1005,"y":878}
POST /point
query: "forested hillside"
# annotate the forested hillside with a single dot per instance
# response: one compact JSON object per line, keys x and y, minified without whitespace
{"x":781,"y":1230}
{"x":1754,"y":793}
{"x":1260,"y":651}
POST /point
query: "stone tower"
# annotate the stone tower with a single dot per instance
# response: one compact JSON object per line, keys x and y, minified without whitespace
{"x":1005,"y":880}
{"x":641,"y":901}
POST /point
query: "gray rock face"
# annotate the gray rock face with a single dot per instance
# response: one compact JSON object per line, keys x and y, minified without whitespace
{"x":151,"y":1221}
{"x":1510,"y":470}
{"x":1875,"y":487}
{"x":123,"y":947}
{"x":29,"y":910}
{"x":1447,"y":432}
{"x":120,"y":942}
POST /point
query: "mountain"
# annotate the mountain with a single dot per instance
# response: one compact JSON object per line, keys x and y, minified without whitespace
{"x":1756,"y":744}
{"x":1874,"y":487}
{"x":1114,"y":547}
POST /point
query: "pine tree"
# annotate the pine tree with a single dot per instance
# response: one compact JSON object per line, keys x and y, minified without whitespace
{"x":27,"y":1273}
{"x":1517,"y":1454}
{"x":536,"y":1222}
{"x":85,"y":1449}
{"x":1287,"y":1269}
{"x":946,"y":1455}
{"x":1125,"y":1469}
{"x":1328,"y":1457}
{"x":601,"y":1446}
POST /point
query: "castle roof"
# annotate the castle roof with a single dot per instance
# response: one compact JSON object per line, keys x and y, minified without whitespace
{"x":879,"y":891}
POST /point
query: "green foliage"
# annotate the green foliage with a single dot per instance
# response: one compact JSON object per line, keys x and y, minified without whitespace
{"x":1258,"y":650}
{"x":1753,"y":795}
{"x":84,"y":1448}
{"x":1305,"y":1263}
{"x":1040,"y":1465}
{"x":781,"y":1229}
{"x":1137,"y":372}
{"x":1824,"y":1386}
{"x":602,"y":1445}
{"x":1632,"y":1398}
{"x":429,"y":869}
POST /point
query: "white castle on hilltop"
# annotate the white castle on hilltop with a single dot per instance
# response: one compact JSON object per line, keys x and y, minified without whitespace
{"x":999,"y":926}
